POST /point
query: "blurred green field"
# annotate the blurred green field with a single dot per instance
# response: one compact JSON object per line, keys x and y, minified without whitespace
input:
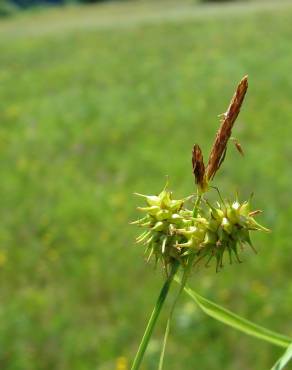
{"x":99,"y":102}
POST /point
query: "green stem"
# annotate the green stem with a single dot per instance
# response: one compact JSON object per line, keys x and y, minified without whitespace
{"x":197,"y":204}
{"x":167,"y":330}
{"x":153,"y":318}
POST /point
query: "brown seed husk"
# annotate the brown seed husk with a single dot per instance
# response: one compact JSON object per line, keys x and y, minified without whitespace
{"x":198,"y":166}
{"x":219,"y":147}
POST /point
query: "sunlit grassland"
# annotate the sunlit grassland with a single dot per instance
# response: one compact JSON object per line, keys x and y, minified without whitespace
{"x":92,"y":112}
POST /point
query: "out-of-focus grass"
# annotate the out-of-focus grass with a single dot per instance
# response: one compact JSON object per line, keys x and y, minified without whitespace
{"x":91,"y":114}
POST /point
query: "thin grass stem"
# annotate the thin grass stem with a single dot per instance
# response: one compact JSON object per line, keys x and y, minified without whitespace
{"x":167,"y":329}
{"x":153,"y":318}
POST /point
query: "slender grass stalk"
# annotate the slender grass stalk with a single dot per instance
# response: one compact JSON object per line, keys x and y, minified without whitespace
{"x":197,"y":204}
{"x":153,"y":318}
{"x":167,"y":329}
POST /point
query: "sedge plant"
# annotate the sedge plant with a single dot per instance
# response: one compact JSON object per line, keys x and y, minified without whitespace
{"x":180,"y":237}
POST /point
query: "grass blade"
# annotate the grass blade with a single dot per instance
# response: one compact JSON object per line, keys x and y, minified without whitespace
{"x":283,"y":360}
{"x":229,"y":318}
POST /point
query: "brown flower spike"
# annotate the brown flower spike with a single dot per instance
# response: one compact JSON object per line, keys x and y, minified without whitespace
{"x":219,"y":147}
{"x":199,"y":167}
{"x":218,"y":151}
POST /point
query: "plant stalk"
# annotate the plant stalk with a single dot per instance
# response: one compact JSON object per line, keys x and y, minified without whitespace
{"x":154,"y":316}
{"x":167,"y":330}
{"x":197,"y":205}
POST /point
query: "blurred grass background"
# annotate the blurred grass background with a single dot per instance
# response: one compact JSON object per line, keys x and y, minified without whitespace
{"x":100,"y":101}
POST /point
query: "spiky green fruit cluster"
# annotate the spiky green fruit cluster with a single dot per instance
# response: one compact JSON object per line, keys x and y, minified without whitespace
{"x":228,"y":230}
{"x":174,"y":232}
{"x":164,"y":216}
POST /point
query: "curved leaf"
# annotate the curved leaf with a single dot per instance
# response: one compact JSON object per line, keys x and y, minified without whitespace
{"x":229,"y":318}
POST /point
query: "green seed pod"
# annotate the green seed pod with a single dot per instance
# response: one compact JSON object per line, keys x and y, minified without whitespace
{"x":153,"y":200}
{"x":165,"y":198}
{"x":244,"y":209}
{"x":226,"y":225}
{"x":217,"y":214}
{"x":188,"y":232}
{"x":232,"y":215}
{"x":201,"y":221}
{"x":150,"y":210}
{"x":163,"y":214}
{"x":159,"y":226}
{"x":254,"y":225}
{"x":210,"y":238}
{"x":176,"y":218}
{"x":175,"y":205}
{"x":213,"y":224}
{"x":186,"y":213}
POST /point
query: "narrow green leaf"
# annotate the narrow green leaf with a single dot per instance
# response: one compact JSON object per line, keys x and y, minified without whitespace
{"x":283,"y":360}
{"x":229,"y":318}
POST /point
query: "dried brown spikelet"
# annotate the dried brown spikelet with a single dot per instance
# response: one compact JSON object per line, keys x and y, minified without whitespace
{"x":218,"y":150}
{"x":237,"y":146}
{"x":199,"y":167}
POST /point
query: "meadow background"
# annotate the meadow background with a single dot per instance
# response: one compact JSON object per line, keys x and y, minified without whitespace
{"x":97,"y":102}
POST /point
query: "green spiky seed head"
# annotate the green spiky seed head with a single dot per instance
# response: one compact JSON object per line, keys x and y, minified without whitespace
{"x":173,"y":233}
